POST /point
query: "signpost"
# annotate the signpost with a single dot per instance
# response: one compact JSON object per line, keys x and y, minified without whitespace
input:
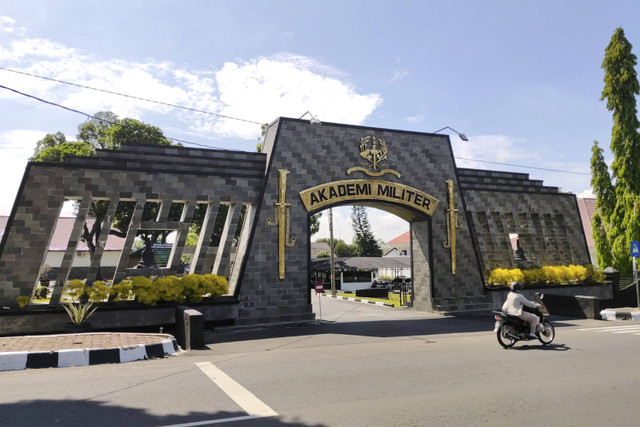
{"x":320,"y":290}
{"x":635,"y":252}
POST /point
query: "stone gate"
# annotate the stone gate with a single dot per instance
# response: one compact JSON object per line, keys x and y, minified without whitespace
{"x":461,"y":220}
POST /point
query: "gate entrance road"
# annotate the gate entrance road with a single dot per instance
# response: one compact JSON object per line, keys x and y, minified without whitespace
{"x":368,"y":365}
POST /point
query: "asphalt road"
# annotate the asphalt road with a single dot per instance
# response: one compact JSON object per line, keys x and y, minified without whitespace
{"x":364,"y":366}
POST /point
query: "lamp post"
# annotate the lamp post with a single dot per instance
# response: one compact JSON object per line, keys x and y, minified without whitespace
{"x":461,"y":135}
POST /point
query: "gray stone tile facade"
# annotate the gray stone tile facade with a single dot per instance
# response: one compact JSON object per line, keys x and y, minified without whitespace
{"x":491,"y":205}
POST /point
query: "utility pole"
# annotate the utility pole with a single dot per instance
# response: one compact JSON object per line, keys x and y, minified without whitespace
{"x":331,"y":257}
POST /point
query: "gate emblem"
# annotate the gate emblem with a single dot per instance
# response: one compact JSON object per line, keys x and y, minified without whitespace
{"x":374,"y":151}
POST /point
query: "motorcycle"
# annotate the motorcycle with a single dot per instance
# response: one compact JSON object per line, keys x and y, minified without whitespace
{"x":511,"y":329}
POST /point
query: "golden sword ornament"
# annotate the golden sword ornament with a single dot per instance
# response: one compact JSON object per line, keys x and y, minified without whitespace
{"x":452,"y":226}
{"x":282,"y":221}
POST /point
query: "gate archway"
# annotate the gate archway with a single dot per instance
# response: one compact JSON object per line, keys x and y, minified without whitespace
{"x":315,"y":166}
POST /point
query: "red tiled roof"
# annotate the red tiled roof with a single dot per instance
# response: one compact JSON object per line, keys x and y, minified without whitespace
{"x":403,"y":238}
{"x":587,"y":207}
{"x":62,"y":233}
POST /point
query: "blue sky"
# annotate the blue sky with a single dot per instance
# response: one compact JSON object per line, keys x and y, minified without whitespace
{"x":521,"y":79}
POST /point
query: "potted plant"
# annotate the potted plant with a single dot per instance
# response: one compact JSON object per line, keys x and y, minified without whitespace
{"x":79,"y":314}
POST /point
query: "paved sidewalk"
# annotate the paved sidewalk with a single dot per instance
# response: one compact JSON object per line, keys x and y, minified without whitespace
{"x":47,"y":351}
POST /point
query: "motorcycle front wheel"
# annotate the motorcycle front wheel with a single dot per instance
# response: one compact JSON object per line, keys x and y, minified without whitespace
{"x":548,"y":334}
{"x":506,"y":335}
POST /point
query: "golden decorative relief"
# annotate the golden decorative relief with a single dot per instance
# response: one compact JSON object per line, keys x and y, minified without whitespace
{"x":452,"y":226}
{"x":282,"y":221}
{"x":374,"y":151}
{"x":325,"y":195}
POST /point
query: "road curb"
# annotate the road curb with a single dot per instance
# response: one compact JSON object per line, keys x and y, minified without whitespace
{"x":611,"y":314}
{"x":382,"y":304}
{"x":20,"y":360}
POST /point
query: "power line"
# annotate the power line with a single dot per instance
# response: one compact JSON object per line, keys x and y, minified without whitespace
{"x":222,"y":116}
{"x":97,"y":118}
{"x":523,"y":166}
{"x":130,"y":96}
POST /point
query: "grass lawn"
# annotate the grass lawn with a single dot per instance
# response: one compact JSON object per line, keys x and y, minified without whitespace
{"x":393,"y":298}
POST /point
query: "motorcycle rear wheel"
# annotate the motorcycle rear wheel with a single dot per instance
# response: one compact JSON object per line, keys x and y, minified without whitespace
{"x":505,"y":336}
{"x":548,"y":334}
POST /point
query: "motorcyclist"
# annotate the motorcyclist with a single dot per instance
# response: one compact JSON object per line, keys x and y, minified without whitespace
{"x":514,"y":303}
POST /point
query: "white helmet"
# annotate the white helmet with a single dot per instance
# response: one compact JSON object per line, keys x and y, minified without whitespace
{"x":516,"y":286}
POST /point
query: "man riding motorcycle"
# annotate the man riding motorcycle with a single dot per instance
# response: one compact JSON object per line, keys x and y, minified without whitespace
{"x":514,"y":303}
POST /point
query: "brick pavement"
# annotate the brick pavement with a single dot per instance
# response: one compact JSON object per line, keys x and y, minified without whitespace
{"x":51,"y":351}
{"x":94,"y":340}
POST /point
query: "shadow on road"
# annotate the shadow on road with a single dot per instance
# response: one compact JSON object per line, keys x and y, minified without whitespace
{"x":550,"y":347}
{"x":372,"y":328}
{"x":97,"y":414}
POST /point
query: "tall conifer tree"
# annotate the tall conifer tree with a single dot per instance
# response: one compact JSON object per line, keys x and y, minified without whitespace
{"x":364,"y":238}
{"x":618,"y":222}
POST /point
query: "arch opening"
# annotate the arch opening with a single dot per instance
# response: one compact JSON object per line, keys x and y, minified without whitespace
{"x":403,"y":268}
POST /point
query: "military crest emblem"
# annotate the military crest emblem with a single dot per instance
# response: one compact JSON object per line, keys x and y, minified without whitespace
{"x":374,"y":151}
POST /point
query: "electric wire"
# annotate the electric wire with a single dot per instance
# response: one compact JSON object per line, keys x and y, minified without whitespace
{"x":89,"y":116}
{"x":219,"y":115}
{"x":111,"y":92}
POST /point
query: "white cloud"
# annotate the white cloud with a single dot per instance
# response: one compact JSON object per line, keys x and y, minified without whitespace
{"x":500,"y":152}
{"x":8,"y":25}
{"x":258,"y":90}
{"x":493,"y":150}
{"x":399,"y":75}
{"x":415,"y":119}
{"x":16,"y":147}
{"x":286,"y":85}
{"x":385,"y":226}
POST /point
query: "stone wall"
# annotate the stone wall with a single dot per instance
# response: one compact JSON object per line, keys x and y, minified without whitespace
{"x":135,"y":173}
{"x":546,"y":221}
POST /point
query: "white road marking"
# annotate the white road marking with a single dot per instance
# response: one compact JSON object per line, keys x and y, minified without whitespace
{"x":628,"y":329}
{"x":218,"y":421}
{"x":243,"y":397}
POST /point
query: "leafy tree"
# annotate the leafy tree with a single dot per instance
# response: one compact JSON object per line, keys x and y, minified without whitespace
{"x":340,"y":248}
{"x":364,"y":238}
{"x":97,"y":130}
{"x":314,"y":226}
{"x":50,"y":140}
{"x":59,"y":152}
{"x":618,"y":222}
{"x":105,"y":130}
{"x":323,"y":254}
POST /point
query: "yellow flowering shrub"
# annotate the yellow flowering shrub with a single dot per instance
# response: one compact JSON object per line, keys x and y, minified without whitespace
{"x":122,"y":291}
{"x":554,"y":275}
{"x":502,"y":276}
{"x":98,"y":292}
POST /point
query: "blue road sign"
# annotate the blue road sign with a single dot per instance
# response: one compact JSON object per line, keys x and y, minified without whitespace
{"x":635,"y":248}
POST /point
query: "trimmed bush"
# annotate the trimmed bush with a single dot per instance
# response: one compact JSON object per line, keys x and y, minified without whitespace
{"x":98,"y":292}
{"x":122,"y":291}
{"x":143,"y":290}
{"x":554,"y":275}
{"x":191,"y":288}
{"x":42,"y":292}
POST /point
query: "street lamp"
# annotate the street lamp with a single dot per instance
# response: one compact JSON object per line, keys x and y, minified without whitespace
{"x":461,"y":135}
{"x":313,"y":119}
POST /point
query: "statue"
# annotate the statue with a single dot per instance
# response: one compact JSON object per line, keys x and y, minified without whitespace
{"x":148,"y":259}
{"x":519,"y":252}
